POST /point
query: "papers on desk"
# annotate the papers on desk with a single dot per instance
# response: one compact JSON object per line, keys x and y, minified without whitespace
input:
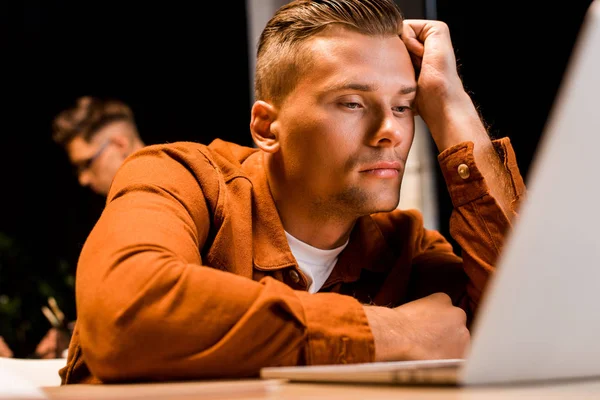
{"x":16,"y":387}
{"x":40,"y":372}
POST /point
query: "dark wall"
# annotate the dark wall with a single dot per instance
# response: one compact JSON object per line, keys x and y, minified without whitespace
{"x":512,"y":55}
{"x":185,"y":77}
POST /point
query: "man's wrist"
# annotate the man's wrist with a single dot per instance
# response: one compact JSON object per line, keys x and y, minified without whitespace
{"x":388,"y":342}
{"x":457,"y":122}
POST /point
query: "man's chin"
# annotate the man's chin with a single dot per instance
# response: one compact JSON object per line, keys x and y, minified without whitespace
{"x":364,"y":202}
{"x":382,"y":206}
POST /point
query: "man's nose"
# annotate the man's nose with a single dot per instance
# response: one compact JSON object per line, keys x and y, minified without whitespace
{"x":84,"y":178}
{"x":388,"y":130}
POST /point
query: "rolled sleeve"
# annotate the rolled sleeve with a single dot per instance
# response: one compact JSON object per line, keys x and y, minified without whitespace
{"x":463,"y":178}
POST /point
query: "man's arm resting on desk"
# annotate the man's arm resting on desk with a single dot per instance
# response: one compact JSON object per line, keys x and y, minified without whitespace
{"x":149,"y":309}
{"x":482,"y":175}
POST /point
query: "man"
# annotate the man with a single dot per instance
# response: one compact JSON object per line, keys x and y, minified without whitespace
{"x":97,"y":135}
{"x":214,"y":261}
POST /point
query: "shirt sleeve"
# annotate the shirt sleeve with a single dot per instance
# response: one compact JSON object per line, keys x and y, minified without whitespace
{"x":478,"y":224}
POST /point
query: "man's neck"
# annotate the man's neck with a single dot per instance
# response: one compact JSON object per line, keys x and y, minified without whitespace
{"x":307,"y":220}
{"x":322,"y":232}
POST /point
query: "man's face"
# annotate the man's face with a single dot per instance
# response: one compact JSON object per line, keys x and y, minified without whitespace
{"x":347,"y":127}
{"x":96,"y":162}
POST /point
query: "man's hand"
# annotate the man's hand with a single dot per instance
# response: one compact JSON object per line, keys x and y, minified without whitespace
{"x":445,"y":106}
{"x":5,"y":351}
{"x":438,"y":82}
{"x":428,"y":328}
{"x":431,"y":50}
{"x":53,"y":344}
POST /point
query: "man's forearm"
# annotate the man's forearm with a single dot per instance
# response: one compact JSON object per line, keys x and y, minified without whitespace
{"x":460,"y":122}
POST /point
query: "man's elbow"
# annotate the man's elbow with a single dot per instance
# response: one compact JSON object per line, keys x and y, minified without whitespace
{"x":114,"y":349}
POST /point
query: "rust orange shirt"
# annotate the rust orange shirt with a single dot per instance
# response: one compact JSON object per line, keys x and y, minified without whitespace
{"x":188,"y":275}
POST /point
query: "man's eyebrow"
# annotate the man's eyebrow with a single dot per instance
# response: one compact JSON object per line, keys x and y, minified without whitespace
{"x":365,"y":87}
{"x":407,"y":90}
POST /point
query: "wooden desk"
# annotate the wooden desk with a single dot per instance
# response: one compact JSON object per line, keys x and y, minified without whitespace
{"x":276,"y":390}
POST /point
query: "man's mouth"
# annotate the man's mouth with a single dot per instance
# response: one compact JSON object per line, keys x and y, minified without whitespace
{"x":383,"y":169}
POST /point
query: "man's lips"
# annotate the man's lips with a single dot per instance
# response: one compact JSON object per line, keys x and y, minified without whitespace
{"x":383,"y":169}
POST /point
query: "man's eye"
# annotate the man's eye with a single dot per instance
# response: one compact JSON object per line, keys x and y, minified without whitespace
{"x":402,"y":109}
{"x":352,"y":106}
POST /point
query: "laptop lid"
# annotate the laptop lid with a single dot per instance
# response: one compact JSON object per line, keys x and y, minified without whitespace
{"x":540,"y":318}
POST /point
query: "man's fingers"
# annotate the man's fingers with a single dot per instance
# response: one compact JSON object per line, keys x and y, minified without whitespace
{"x":421,"y":29}
{"x":416,"y":27}
{"x":414,"y":47}
{"x":409,"y":37}
{"x":441,"y":297}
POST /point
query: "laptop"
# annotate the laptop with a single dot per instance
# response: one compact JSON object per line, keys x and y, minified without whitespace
{"x":540,"y":317}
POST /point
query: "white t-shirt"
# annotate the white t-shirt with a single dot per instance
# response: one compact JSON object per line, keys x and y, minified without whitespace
{"x":316,"y":264}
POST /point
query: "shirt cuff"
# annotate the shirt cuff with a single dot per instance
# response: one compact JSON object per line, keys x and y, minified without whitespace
{"x":338,"y":330}
{"x":464,"y":180}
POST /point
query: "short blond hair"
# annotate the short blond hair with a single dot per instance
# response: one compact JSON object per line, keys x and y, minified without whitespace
{"x":280,"y":61}
{"x":88,"y":116}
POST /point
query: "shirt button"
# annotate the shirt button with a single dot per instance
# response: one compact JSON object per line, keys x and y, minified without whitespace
{"x":294,"y":275}
{"x":463,"y":171}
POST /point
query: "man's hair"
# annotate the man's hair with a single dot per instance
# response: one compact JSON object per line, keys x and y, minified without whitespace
{"x":280,"y":61}
{"x":87,"y":117}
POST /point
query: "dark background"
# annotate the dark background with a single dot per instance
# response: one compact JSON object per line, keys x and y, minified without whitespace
{"x":184,"y":71}
{"x":512,"y":56}
{"x":185,"y":79}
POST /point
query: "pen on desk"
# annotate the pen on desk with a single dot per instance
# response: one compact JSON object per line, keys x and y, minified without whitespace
{"x":56,"y":310}
{"x":51,"y":317}
{"x":56,"y":340}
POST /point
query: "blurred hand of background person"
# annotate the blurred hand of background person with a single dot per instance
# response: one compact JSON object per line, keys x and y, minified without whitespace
{"x":5,"y":351}
{"x":53,"y":344}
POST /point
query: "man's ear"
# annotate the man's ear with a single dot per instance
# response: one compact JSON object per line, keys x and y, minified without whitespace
{"x":122,"y":143}
{"x":263,"y":126}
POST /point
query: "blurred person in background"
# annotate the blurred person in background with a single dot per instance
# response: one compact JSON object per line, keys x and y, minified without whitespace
{"x":97,"y":135}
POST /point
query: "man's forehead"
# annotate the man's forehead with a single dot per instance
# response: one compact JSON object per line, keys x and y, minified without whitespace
{"x":338,"y":35}
{"x":79,"y":149}
{"x":344,"y":63}
{"x":343,"y":46}
{"x":113,"y":127}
